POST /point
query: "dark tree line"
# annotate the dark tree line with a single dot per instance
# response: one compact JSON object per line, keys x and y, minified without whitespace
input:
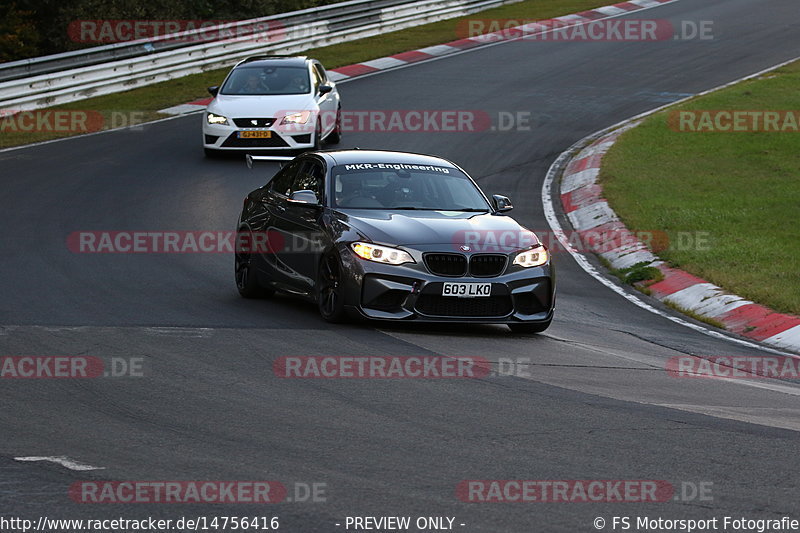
{"x":30,"y":28}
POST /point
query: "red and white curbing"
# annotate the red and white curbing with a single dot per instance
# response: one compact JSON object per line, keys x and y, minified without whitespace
{"x":588,"y":211}
{"x":430,"y":52}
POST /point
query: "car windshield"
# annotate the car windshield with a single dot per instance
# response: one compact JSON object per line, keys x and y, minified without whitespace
{"x":272,"y":80}
{"x":405,"y":187}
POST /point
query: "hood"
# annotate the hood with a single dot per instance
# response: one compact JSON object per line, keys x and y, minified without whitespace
{"x":447,"y":230}
{"x":233,"y":106}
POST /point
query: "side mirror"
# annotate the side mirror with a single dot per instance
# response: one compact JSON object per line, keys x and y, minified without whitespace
{"x":304,"y":198}
{"x":324,"y":89}
{"x":501,"y":203}
{"x":213,"y":90}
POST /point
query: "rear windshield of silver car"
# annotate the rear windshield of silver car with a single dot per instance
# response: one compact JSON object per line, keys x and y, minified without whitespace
{"x":405,"y":186}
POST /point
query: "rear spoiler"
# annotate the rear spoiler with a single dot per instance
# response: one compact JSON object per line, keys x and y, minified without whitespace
{"x":251,"y":159}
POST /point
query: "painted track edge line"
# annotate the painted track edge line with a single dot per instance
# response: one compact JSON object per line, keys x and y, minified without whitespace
{"x":60,"y":460}
{"x":548,"y":205}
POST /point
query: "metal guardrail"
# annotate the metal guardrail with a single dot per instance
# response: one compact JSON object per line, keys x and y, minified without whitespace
{"x":62,"y":78}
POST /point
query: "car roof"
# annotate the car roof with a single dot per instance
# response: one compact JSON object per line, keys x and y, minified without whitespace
{"x":349,"y":157}
{"x":273,"y":60}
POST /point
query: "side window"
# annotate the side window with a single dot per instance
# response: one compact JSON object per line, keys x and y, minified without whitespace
{"x":317,"y":80}
{"x":282,"y":182}
{"x":319,"y":72}
{"x":309,"y":178}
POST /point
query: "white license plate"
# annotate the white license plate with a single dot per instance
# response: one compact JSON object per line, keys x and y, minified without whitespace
{"x":467,"y":290}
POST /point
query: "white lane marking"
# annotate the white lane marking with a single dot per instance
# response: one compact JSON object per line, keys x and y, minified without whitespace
{"x":596,"y":149}
{"x":336,"y":76}
{"x":704,"y":298}
{"x":555,"y":225}
{"x":579,"y":180}
{"x":572,"y":19}
{"x":627,"y":256}
{"x":179,"y":332}
{"x":384,"y":62}
{"x":66,"y":462}
{"x":786,"y":339}
{"x":720,"y":304}
{"x":612,"y":10}
{"x":591,"y":216}
{"x":438,"y":50}
{"x":182,"y":109}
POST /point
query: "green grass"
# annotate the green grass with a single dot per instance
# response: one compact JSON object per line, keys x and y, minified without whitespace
{"x":146,"y":101}
{"x":696,"y":316}
{"x":641,"y":272}
{"x":638,"y":273}
{"x":742,"y":189}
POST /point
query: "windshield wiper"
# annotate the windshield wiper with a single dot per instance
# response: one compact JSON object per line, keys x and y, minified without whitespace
{"x":470,"y":210}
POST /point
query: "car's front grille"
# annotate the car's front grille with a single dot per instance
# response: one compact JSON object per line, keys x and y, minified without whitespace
{"x":253,"y":122}
{"x":274,"y":141}
{"x":446,"y":264}
{"x":484,"y":266}
{"x":449,"y":306}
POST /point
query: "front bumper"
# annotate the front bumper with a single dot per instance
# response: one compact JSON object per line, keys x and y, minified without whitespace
{"x":410,"y":292}
{"x":225,"y":137}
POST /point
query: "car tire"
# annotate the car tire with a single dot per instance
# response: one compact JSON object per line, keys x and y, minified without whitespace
{"x":211,"y":153}
{"x":330,"y":300}
{"x":246,"y":279}
{"x":335,"y":136}
{"x":317,"y":137}
{"x":527,"y":328}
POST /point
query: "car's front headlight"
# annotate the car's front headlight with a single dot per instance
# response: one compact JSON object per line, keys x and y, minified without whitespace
{"x":300,"y":117}
{"x":531,"y":258}
{"x":211,"y":118}
{"x":381,"y":254}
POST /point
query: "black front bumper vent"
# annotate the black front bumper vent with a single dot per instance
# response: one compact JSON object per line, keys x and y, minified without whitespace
{"x":447,"y":306}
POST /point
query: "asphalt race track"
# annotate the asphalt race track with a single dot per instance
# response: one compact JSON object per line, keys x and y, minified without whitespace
{"x":597,"y":403}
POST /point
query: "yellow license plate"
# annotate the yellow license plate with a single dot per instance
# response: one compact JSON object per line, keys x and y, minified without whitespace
{"x":255,"y":134}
